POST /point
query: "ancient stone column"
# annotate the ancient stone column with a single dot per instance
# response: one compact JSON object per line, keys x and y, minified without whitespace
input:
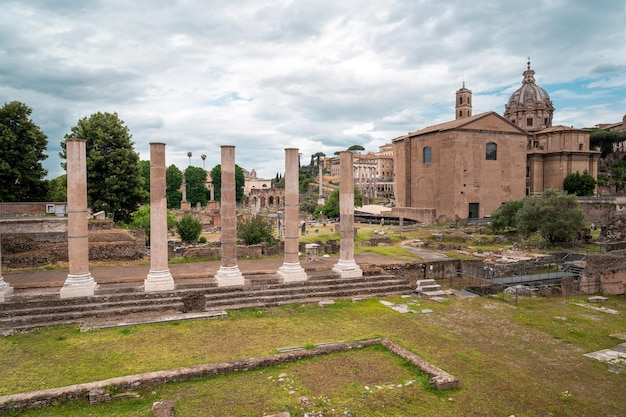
{"x":229,"y":273}
{"x":79,"y":282}
{"x":346,"y":266}
{"x":184,"y":204}
{"x":159,"y":277}
{"x":5,"y":289}
{"x":320,"y":198}
{"x":291,"y":270}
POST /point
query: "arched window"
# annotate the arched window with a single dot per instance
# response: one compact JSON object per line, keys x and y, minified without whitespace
{"x":427,"y":155}
{"x":492,"y":151}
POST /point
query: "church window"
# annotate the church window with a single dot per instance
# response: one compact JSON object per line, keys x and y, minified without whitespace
{"x":492,"y":151}
{"x":427,"y":155}
{"x":460,"y":113}
{"x":529,"y":122}
{"x":460,"y":100}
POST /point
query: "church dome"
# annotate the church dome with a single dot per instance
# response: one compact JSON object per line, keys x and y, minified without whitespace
{"x":530,"y":106}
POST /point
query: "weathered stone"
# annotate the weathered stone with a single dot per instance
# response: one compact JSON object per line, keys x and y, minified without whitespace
{"x":163,"y":409}
{"x":98,"y":396}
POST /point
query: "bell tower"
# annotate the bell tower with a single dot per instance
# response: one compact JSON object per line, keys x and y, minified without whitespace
{"x":463,"y":107}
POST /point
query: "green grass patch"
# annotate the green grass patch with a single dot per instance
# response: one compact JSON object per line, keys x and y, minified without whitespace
{"x":395,"y":252}
{"x":521,"y":358}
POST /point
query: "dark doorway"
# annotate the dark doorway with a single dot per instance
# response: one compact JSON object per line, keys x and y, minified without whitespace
{"x":474,"y":210}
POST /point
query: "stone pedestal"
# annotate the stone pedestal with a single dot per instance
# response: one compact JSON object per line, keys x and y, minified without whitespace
{"x":229,"y":273}
{"x":346,"y":267}
{"x":311,"y":251}
{"x":291,"y":270}
{"x":159,"y":277}
{"x":79,"y":282}
{"x":5,"y":289}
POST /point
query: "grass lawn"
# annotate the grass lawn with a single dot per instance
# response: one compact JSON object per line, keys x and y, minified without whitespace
{"x":522,"y":359}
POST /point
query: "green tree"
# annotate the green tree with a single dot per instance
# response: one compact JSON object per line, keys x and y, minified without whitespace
{"x":195,"y":181}
{"x":144,"y":167}
{"x":189,"y":228}
{"x":57,"y":189}
{"x":579,"y":184}
{"x":309,"y":205}
{"x":555,"y":215}
{"x":255,"y":230}
{"x":356,"y":148}
{"x":22,"y":146}
{"x":216,"y":180}
{"x":331,"y":208}
{"x":315,"y":158}
{"x":605,"y":140}
{"x":174,"y":182}
{"x":114,"y":181}
{"x":140,"y":220}
{"x":506,"y":216}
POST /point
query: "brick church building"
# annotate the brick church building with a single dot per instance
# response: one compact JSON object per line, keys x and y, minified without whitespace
{"x":468,"y":167}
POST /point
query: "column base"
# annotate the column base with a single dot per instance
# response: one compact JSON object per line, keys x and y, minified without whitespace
{"x":81,"y":285}
{"x":229,"y":276}
{"x":5,"y":291}
{"x":159,"y":281}
{"x":348,"y":269}
{"x":292,"y":272}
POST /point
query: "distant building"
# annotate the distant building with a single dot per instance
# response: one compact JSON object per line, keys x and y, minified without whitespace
{"x":373,"y":171}
{"x":467,"y":168}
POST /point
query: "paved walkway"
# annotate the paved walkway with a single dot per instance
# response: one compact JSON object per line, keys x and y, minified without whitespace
{"x":138,"y":273}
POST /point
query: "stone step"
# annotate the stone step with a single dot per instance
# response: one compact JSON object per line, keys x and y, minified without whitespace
{"x":269,"y":298}
{"x":310,"y":287}
{"x":422,"y":282}
{"x":60,"y":307}
{"x":427,"y":288}
{"x":27,"y":312}
{"x":311,"y":300}
{"x":22,"y":323}
{"x":438,"y":293}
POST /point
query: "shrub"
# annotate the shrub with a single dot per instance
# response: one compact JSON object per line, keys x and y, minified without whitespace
{"x":255,"y":230}
{"x":202,"y":239}
{"x":189,"y":228}
{"x":140,"y":220}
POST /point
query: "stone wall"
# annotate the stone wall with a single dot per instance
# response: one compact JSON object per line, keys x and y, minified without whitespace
{"x":597,"y":211}
{"x":605,"y":274}
{"x":213,"y":251}
{"x":429,"y":270}
{"x":32,"y":209}
{"x":37,"y":399}
{"x":32,"y":250}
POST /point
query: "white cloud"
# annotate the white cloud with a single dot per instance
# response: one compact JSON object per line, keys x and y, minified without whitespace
{"x":320,"y":76}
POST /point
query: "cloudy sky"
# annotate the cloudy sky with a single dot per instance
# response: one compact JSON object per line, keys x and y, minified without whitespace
{"x":317,"y":75}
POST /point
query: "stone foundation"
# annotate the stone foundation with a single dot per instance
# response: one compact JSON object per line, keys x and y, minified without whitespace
{"x":38,"y":399}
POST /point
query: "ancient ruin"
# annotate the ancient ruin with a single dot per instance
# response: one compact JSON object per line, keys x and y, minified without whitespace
{"x":291,"y":269}
{"x":159,"y":278}
{"x":79,"y":282}
{"x":229,"y":273}
{"x":346,"y":267}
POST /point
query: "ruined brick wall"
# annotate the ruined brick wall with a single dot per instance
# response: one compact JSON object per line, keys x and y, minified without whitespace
{"x":605,"y":274}
{"x":213,"y":251}
{"x":597,"y":213}
{"x":27,"y":250}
